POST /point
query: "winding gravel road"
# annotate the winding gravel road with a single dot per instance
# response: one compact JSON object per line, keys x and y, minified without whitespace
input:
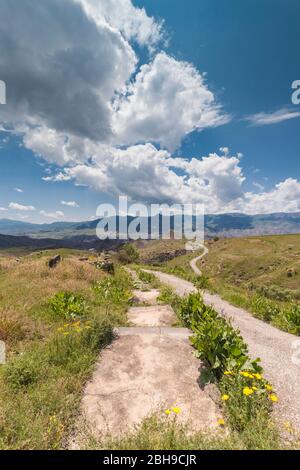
{"x":194,"y":262}
{"x":279,"y":351}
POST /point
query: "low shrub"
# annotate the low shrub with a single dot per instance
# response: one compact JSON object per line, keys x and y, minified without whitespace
{"x":68,"y":305}
{"x":216,"y":341}
{"x":11,"y":331}
{"x":189,"y":306}
{"x":146,"y":277}
{"x":247,"y":395}
{"x":292,"y":314}
{"x":264,"y":308}
{"x":112,"y":290}
{"x":128,"y":254}
{"x":202,"y":282}
{"x":274,"y":293}
{"x":75,"y":343}
{"x":23,"y":370}
{"x":248,"y":398}
{"x":285,"y":317}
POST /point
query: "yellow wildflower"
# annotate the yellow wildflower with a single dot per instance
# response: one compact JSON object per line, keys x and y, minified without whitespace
{"x":176,"y":410}
{"x":258,"y":376}
{"x":273,"y":397}
{"x":168,"y":412}
{"x":228,"y":372}
{"x":248,"y":391}
{"x":225,"y":397}
{"x":221,"y":422}
{"x":269,"y":387}
{"x":60,"y":330}
{"x":247,"y":375}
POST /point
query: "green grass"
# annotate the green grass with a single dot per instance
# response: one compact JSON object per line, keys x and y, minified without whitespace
{"x":158,"y":432}
{"x":259,"y":274}
{"x":52,"y":351}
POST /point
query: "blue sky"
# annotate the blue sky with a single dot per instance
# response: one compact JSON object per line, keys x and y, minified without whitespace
{"x":249,"y":50}
{"x":246,"y":53}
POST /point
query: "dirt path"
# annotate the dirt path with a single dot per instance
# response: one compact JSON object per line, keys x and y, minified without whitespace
{"x":193,"y":263}
{"x":150,"y":367}
{"x":275,"y":348}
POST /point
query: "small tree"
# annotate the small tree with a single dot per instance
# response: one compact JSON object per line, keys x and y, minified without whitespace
{"x":128,"y":254}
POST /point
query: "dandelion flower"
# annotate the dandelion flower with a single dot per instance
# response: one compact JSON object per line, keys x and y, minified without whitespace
{"x":221,"y":422}
{"x":269,"y":387}
{"x":176,"y":410}
{"x":168,"y":412}
{"x":258,"y":376}
{"x":225,"y":397}
{"x":248,"y":391}
{"x":273,"y":398}
{"x":247,"y":375}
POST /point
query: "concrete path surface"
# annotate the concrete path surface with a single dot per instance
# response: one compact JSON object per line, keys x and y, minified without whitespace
{"x":144,"y":372}
{"x":276,"y":349}
{"x":147,"y":297}
{"x":148,"y":368}
{"x":159,"y":315}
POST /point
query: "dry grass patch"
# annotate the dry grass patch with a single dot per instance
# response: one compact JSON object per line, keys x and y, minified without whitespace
{"x":29,"y":282}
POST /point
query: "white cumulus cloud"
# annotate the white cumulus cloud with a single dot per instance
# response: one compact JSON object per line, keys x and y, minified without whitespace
{"x":52,"y":215}
{"x":70,"y":203}
{"x":168,"y":100}
{"x":19,"y":207}
{"x":132,"y":22}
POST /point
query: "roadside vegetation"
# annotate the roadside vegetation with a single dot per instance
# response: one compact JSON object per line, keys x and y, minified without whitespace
{"x":259,"y":274}
{"x":54,"y":323}
{"x":247,"y":397}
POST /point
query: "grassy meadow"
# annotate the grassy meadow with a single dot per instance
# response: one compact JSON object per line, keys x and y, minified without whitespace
{"x":54,"y":324}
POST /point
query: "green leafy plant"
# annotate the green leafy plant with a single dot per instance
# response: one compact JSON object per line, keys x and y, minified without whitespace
{"x":246,"y":394}
{"x":202,"y":282}
{"x":23,"y":371}
{"x":247,"y":397}
{"x":128,"y":254}
{"x":215,"y":340}
{"x":145,"y":277}
{"x":111,"y":290}
{"x":292,"y":314}
{"x":68,"y":305}
{"x":189,"y":306}
{"x":264,"y":308}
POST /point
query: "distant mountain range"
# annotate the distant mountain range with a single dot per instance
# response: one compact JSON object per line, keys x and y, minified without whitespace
{"x":83,"y":235}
